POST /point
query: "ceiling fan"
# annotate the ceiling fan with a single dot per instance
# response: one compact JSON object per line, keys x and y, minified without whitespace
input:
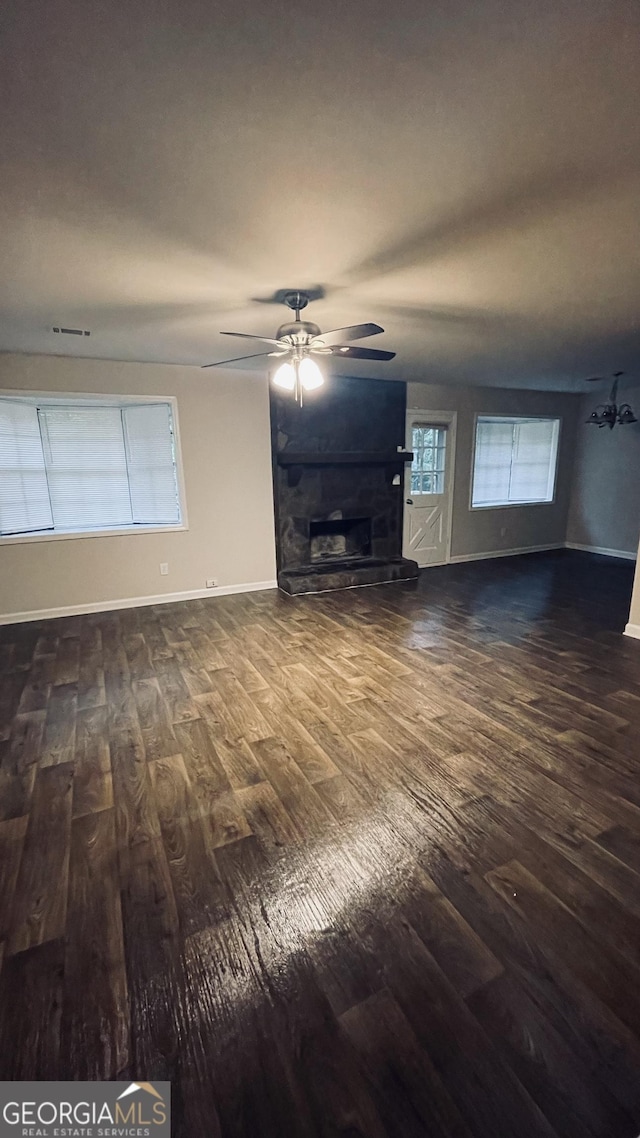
{"x":298,"y":340}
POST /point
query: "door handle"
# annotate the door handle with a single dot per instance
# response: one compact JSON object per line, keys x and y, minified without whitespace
{"x":409,"y":501}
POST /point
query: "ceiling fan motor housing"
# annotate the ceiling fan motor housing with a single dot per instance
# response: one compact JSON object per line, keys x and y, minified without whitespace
{"x":298,"y":328}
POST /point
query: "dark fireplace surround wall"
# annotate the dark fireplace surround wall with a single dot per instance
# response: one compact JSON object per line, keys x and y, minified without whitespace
{"x":338,"y":514}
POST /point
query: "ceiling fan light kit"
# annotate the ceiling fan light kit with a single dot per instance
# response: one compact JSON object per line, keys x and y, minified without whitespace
{"x":285,"y":377}
{"x":298,"y":340}
{"x":300,"y":375}
{"x":608,"y":414}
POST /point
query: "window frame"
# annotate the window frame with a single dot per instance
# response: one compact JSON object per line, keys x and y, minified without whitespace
{"x":510,"y":419}
{"x":88,"y":399}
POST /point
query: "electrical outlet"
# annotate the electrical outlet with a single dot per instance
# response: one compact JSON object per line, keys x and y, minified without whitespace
{"x":164,"y":568}
{"x":211,"y":582}
{"x":503,"y":531}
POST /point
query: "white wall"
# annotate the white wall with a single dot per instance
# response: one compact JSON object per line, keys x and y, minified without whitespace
{"x":512,"y":527}
{"x":225,"y":438}
{"x":605,"y":499}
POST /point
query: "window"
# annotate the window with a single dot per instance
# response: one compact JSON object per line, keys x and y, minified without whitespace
{"x":81,"y":466}
{"x":428,"y":444}
{"x":515,"y":461}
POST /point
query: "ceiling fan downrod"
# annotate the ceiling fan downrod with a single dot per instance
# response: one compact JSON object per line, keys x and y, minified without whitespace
{"x":296,"y":301}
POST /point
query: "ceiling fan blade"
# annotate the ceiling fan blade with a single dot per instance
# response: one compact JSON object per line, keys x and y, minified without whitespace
{"x":247,"y":336}
{"x":347,"y":353}
{"x":255,"y":356}
{"x":354,"y":332}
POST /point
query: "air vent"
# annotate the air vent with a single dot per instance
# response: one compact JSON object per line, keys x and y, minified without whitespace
{"x":72,"y":331}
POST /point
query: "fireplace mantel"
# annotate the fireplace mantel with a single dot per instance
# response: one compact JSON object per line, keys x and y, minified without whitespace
{"x":346,"y":458}
{"x":295,"y":461}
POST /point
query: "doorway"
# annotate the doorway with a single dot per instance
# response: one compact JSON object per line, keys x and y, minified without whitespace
{"x":429,"y":487}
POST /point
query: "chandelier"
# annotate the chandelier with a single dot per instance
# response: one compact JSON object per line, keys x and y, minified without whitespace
{"x":608,"y":414}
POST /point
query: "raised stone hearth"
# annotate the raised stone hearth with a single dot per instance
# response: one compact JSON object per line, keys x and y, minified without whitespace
{"x":346,"y":574}
{"x":338,"y":474}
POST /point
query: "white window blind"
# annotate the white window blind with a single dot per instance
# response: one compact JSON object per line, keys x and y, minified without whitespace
{"x":515,"y":461}
{"x":24,"y":495}
{"x":86,"y":467}
{"x":151,"y":464}
{"x":74,"y":467}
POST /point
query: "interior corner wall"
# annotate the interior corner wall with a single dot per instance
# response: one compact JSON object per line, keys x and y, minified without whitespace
{"x":488,"y":531}
{"x":223,"y":419}
{"x":604,"y":511}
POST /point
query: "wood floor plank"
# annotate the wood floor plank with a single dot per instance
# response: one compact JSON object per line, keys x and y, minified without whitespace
{"x":196,"y":887}
{"x":12,"y":835}
{"x":267,"y":816}
{"x":40,"y":904}
{"x":297,"y":795}
{"x":614,"y":981}
{"x":595,"y":907}
{"x":60,"y":726}
{"x":461,"y":1052}
{"x":19,"y":759}
{"x":155,"y":719}
{"x":180,"y":705}
{"x":151,"y":937}
{"x":67,"y":663}
{"x":597,"y":1038}
{"x":464,"y":958}
{"x":35,"y":694}
{"x":136,"y":813}
{"x":623,"y":845}
{"x":95,"y":983}
{"x":238,"y":761}
{"x":297,"y":729}
{"x":93,"y":782}
{"x":91,"y":685}
{"x":396,"y":1061}
{"x":12,"y":684}
{"x":563,"y":1087}
{"x":233,"y":708}
{"x":218,"y":807}
{"x":31,"y":994}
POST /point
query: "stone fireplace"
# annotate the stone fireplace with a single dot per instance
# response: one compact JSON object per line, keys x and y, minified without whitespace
{"x":338,"y":473}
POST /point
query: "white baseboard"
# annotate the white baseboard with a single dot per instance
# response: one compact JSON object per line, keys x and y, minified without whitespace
{"x":133,"y":602}
{"x":504,"y":553}
{"x":633,"y":630}
{"x":600,"y":549}
{"x":541,"y":549}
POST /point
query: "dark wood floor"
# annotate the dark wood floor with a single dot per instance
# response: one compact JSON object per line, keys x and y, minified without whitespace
{"x":359,"y":864}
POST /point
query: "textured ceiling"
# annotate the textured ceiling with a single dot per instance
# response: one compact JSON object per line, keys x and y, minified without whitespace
{"x":464,"y":172}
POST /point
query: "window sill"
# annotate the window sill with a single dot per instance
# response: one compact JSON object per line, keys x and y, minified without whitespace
{"x":64,"y":535}
{"x":512,"y":505}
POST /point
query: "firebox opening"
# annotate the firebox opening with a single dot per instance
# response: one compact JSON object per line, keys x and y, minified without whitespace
{"x":332,"y":539}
